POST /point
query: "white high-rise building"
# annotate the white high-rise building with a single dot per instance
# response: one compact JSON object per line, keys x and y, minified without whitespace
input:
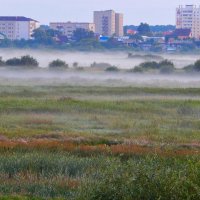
{"x":188,"y":17}
{"x":17,"y":28}
{"x":108,"y":23}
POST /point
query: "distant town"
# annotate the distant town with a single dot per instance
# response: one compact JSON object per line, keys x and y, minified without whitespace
{"x":107,"y":31}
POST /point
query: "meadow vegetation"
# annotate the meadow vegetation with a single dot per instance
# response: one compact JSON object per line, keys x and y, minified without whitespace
{"x":73,"y":142}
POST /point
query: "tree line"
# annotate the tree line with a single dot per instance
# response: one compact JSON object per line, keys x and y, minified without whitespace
{"x":164,"y":66}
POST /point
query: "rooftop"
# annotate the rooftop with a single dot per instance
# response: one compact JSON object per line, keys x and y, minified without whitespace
{"x":16,"y":18}
{"x":69,"y":22}
{"x":182,"y":32}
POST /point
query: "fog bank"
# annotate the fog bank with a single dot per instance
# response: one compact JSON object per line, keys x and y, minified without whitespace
{"x":119,"y":59}
{"x":46,"y":77}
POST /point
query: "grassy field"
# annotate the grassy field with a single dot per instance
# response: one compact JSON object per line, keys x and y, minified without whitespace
{"x":99,"y":143}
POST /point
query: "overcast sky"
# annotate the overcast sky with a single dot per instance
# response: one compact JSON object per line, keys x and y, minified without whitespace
{"x":135,"y":11}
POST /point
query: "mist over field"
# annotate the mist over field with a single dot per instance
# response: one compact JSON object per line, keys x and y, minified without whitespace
{"x":99,"y":78}
{"x":119,"y":59}
{"x":96,"y":79}
{"x":73,"y":133}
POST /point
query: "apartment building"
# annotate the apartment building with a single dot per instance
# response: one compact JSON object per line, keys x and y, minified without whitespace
{"x":188,"y":17}
{"x":17,"y":28}
{"x":108,"y":23}
{"x":67,"y":28}
{"x":119,"y":24}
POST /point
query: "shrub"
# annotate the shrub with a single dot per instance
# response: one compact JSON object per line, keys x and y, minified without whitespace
{"x":166,"y":67}
{"x":23,"y":61}
{"x":112,"y":69}
{"x":150,"y":65}
{"x":13,"y":62}
{"x":136,"y":69}
{"x":166,"y":63}
{"x":58,"y":63}
{"x":29,"y":61}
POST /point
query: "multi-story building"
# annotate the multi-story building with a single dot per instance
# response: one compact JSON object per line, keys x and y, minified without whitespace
{"x":17,"y":28}
{"x":108,"y":23}
{"x":67,"y":28}
{"x":119,"y":25}
{"x":188,"y":17}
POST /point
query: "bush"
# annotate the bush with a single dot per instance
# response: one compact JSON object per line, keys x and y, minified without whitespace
{"x":29,"y":61}
{"x":58,"y":63}
{"x":136,"y":69}
{"x":13,"y":62}
{"x":150,"y":65}
{"x":23,"y":61}
{"x":112,"y":69}
{"x":166,"y":67}
{"x":166,"y":63}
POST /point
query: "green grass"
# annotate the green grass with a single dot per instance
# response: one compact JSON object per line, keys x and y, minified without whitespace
{"x":164,"y":121}
{"x":156,"y":119}
{"x":60,"y":175}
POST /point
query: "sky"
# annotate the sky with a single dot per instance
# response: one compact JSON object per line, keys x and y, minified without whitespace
{"x":135,"y":11}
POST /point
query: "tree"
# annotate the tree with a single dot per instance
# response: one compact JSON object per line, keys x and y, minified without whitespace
{"x":23,"y":61}
{"x":144,"y":29}
{"x":136,"y":37}
{"x":166,"y":67}
{"x":29,"y":61}
{"x":166,"y":63}
{"x":45,"y":36}
{"x":80,"y":34}
{"x":58,"y":63}
{"x":6,"y":43}
{"x":13,"y":62}
{"x":111,"y":43}
{"x":150,"y":65}
{"x":112,"y":69}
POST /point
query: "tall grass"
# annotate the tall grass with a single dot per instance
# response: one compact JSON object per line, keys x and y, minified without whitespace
{"x":60,"y":175}
{"x":56,"y":143}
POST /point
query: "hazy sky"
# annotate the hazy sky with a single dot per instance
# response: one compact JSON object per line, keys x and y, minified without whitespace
{"x":135,"y":11}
